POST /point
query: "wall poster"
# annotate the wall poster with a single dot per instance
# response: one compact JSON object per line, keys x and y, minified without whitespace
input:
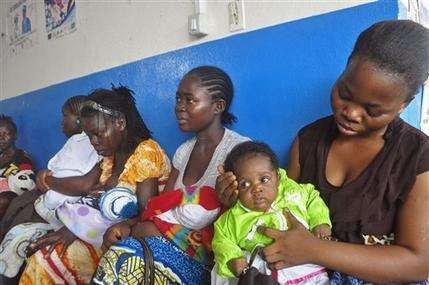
{"x":60,"y":17}
{"x":21,"y":25}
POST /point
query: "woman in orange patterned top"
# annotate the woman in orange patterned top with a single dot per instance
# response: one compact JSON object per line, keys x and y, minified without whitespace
{"x":177,"y":225}
{"x":131,"y":160}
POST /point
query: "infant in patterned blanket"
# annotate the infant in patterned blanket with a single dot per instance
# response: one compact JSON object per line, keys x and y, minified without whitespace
{"x":265,"y":193}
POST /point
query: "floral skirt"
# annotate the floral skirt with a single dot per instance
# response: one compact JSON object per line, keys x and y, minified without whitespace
{"x":123,"y":263}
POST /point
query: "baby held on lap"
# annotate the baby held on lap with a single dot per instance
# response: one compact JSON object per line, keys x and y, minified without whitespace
{"x":264,"y":194}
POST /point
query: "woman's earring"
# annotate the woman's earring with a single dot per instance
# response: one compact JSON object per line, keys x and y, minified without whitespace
{"x":78,"y":121}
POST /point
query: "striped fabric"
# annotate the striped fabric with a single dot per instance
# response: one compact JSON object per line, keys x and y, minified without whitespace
{"x":76,"y":266}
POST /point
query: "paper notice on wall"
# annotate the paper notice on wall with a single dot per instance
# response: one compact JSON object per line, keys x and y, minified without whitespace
{"x":21,"y":25}
{"x":424,"y":13}
{"x":413,"y":10}
{"x":60,"y":18}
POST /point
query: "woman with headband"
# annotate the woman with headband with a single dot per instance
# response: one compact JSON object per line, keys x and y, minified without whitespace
{"x":131,"y":160}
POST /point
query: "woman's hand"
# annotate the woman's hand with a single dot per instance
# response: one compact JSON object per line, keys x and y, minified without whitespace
{"x":115,"y":233}
{"x":41,"y":180}
{"x":226,"y":187}
{"x":62,"y":236}
{"x":98,"y":188}
{"x":291,"y":247}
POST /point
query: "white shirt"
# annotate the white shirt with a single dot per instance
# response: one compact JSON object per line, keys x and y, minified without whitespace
{"x":191,"y":215}
{"x":76,"y":158}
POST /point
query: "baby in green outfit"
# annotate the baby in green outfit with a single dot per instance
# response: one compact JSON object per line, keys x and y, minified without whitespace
{"x":265,"y":192}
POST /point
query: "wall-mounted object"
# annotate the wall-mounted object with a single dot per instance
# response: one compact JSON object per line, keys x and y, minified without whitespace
{"x":60,"y":18}
{"x":237,"y":20}
{"x":22,"y":23}
{"x":198,"y":24}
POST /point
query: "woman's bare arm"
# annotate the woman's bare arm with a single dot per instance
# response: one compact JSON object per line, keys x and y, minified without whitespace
{"x":171,"y":181}
{"x":406,"y":261}
{"x":75,"y":185}
{"x":146,"y":190}
{"x":293,"y":167}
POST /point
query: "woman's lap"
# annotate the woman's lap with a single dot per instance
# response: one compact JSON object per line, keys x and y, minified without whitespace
{"x":76,"y":266}
{"x":13,"y":249}
{"x":21,"y":210}
{"x":124,"y":263}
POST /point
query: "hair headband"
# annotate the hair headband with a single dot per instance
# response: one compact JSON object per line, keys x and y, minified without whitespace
{"x":102,"y":109}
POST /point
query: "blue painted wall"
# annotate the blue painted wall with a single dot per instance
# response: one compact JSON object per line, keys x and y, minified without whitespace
{"x":282,"y":75}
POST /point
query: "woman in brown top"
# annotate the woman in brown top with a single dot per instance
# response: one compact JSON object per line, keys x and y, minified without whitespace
{"x":371,"y":168}
{"x":16,"y":167}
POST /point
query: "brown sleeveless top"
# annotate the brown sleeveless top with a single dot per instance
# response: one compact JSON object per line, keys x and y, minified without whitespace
{"x":365,"y":209}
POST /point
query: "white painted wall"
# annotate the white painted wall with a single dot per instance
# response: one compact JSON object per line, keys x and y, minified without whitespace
{"x":114,"y":32}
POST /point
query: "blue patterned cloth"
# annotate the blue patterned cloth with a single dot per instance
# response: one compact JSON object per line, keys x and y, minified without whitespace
{"x":123,"y":263}
{"x":118,"y":203}
{"x":337,"y":278}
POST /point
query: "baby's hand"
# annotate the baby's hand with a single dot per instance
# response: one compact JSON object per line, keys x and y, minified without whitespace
{"x":115,"y":233}
{"x":145,"y":229}
{"x":237,"y":265}
{"x":322,"y":231}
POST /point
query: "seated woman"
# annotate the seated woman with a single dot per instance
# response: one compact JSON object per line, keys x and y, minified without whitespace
{"x":378,"y":199}
{"x":77,"y":157}
{"x":178,"y":222}
{"x":16,"y":167}
{"x":130,"y":159}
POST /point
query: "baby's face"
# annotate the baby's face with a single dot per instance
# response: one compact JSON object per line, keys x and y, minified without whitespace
{"x":257,"y":182}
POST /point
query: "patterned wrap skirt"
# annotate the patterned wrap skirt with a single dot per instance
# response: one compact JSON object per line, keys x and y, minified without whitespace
{"x":123,"y":263}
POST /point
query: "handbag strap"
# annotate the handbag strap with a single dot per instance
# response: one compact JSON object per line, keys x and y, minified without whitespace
{"x":149,"y":267}
{"x":255,"y":253}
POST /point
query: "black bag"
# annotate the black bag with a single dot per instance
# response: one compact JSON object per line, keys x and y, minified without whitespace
{"x":149,"y":267}
{"x":251,"y":275}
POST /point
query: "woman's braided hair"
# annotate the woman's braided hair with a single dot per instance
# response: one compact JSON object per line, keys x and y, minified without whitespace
{"x":75,"y":103}
{"x":219,"y":85}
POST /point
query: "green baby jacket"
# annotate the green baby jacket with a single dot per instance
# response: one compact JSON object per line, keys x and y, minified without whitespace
{"x":236,"y":229}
